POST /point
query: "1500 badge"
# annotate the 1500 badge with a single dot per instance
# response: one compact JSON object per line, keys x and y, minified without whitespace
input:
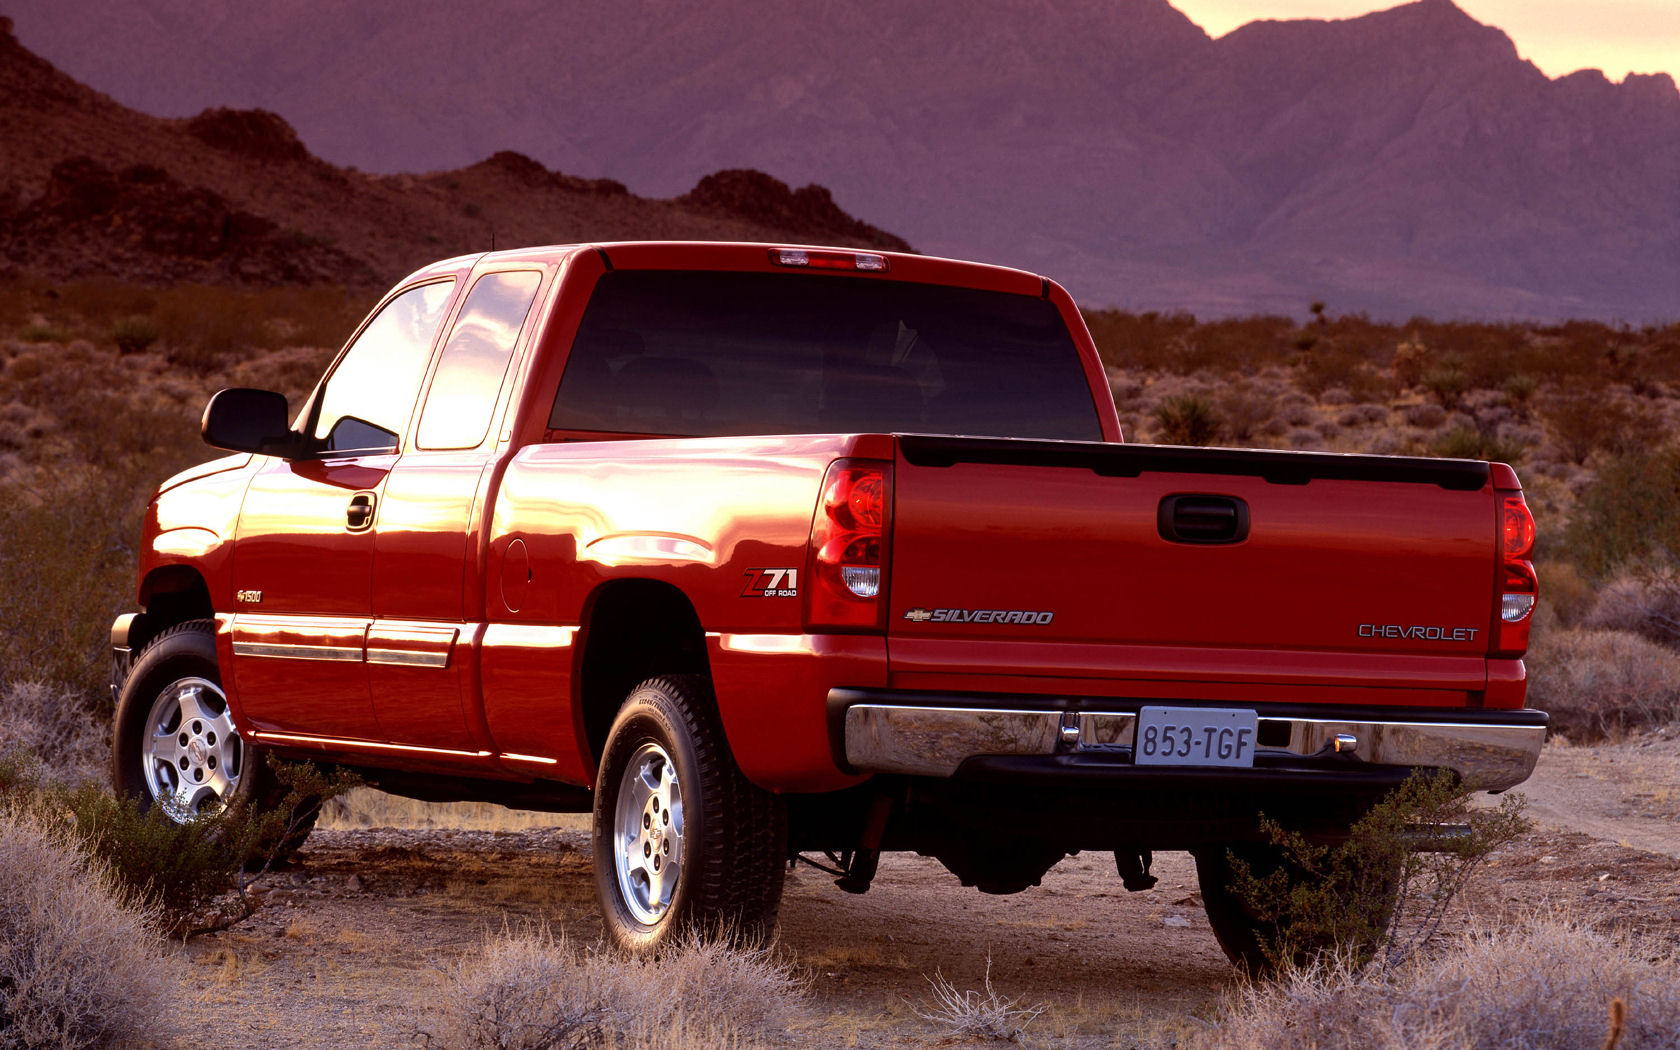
{"x":1021,"y":616}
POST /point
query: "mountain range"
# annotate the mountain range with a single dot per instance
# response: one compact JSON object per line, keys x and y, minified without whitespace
{"x":1404,"y":162}
{"x":90,"y":188}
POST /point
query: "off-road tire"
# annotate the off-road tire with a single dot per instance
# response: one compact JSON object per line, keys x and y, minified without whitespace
{"x":180,"y":653}
{"x":733,"y":840}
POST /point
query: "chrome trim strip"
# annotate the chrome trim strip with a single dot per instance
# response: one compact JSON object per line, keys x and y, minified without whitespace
{"x":934,"y":741}
{"x":406,"y":658}
{"x":371,"y":745}
{"x":288,"y":651}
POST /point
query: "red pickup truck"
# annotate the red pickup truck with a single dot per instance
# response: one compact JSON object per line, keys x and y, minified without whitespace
{"x":758,"y":551}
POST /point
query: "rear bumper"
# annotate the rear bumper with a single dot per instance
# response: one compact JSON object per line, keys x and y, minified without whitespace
{"x":933,"y":735}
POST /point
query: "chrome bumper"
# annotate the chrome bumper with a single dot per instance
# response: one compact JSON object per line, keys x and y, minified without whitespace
{"x":935,"y":741}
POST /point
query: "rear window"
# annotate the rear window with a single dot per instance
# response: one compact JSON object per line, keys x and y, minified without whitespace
{"x":712,"y":354}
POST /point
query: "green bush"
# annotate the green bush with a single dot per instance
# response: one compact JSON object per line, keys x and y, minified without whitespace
{"x":78,"y":566}
{"x":134,"y":335}
{"x":1629,"y":512}
{"x":191,"y":876}
{"x":1187,"y":419}
{"x":1446,"y":385}
{"x":43,"y":333}
{"x":1470,"y":443}
{"x":1334,"y":900}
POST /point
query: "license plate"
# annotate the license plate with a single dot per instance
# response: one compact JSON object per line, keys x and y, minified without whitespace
{"x":1194,"y":736}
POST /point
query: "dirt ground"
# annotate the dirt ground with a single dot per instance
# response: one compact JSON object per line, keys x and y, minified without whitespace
{"x":348,"y":947}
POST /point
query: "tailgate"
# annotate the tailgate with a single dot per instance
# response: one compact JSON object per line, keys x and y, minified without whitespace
{"x":1151,"y":563}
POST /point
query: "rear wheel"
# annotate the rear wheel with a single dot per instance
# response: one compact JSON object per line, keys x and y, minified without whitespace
{"x":682,"y":840}
{"x":174,"y":744}
{"x":1254,"y":940}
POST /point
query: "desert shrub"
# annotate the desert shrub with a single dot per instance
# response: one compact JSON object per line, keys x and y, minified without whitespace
{"x":79,"y":966}
{"x":1629,"y":511}
{"x":1519,"y":393}
{"x":1426,"y":416}
{"x":975,"y":1013}
{"x":1363,"y":415}
{"x":1333,"y":900}
{"x":134,"y":335}
{"x":43,"y":333}
{"x":1589,"y":417}
{"x":1187,"y":419}
{"x":1446,"y":385}
{"x":1547,"y":982}
{"x":1470,"y":443}
{"x":1243,"y":411}
{"x":81,"y":567}
{"x":1645,"y":602}
{"x":190,"y":876}
{"x":1565,"y":593}
{"x":1598,"y":683}
{"x":178,"y":869}
{"x":1410,"y":359}
{"x":1297,"y":409}
{"x":529,"y":988}
{"x":1329,"y":368}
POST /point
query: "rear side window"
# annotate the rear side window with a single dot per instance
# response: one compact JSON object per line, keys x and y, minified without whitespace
{"x":712,"y":354}
{"x":475,"y":361}
{"x":369,"y":395}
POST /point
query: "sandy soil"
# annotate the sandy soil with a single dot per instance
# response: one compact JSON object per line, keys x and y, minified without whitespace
{"x":348,"y":947}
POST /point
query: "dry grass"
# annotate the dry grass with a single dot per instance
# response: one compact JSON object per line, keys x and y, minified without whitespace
{"x":975,"y":1013}
{"x":55,"y":722}
{"x":79,"y":966}
{"x":1601,"y":683}
{"x":530,"y":989}
{"x":1546,"y":983}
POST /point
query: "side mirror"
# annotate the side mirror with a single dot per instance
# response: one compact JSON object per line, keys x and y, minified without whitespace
{"x":245,"y":420}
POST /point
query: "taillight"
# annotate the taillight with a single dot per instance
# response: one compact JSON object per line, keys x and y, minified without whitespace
{"x":849,"y":546}
{"x":1518,"y":586}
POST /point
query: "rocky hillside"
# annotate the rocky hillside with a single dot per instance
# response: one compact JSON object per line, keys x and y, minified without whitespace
{"x":1406,"y":162}
{"x":89,"y":187}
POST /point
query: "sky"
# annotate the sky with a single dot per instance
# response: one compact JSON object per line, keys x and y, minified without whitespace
{"x":1559,"y":36}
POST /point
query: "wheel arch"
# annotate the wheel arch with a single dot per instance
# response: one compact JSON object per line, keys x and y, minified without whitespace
{"x":633,"y":630}
{"x":174,"y":594}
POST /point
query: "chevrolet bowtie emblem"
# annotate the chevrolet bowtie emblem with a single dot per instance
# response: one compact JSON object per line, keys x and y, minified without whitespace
{"x":918,"y":615}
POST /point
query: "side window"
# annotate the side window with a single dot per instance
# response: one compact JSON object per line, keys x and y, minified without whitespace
{"x":475,"y":361}
{"x":369,"y":394}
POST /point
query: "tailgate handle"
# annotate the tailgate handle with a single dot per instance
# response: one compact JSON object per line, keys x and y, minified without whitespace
{"x":1193,"y":518}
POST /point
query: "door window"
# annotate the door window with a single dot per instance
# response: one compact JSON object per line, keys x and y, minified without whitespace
{"x":368,"y":397}
{"x":475,"y":361}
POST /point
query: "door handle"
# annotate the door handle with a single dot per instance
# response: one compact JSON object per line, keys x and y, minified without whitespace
{"x":1196,"y":518}
{"x":359,"y":515}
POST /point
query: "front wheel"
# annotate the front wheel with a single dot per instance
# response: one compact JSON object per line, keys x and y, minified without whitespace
{"x":682,"y":840}
{"x":174,"y":744}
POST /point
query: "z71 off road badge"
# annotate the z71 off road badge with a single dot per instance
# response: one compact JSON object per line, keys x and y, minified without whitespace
{"x":771,"y":583}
